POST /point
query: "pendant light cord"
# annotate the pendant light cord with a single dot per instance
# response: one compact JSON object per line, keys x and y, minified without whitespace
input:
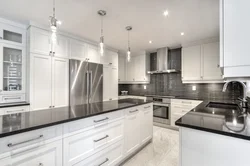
{"x":101,"y":26}
{"x":128,"y":40}
{"x":54,"y":8}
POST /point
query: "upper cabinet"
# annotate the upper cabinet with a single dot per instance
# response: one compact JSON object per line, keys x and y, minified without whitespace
{"x":77,"y":49}
{"x":122,"y":68}
{"x":235,"y":38}
{"x":134,"y":71}
{"x":40,"y":43}
{"x":12,"y":62}
{"x":200,"y":63}
{"x":110,"y":58}
{"x":92,"y":54}
{"x":11,"y":34}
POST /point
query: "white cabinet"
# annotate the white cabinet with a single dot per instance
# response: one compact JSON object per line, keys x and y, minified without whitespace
{"x":110,"y":58}
{"x":40,"y":43}
{"x":132,"y":130}
{"x":146,"y":123}
{"x":92,"y":54}
{"x":46,"y":92}
{"x":180,"y":107}
{"x":211,"y":56}
{"x":40,"y":82}
{"x":61,"y":47}
{"x":136,"y":69}
{"x":200,"y":63}
{"x":191,"y":63}
{"x":50,"y":154}
{"x":5,"y":161}
{"x":12,"y":34}
{"x":77,"y":49}
{"x":14,"y":110}
{"x":60,"y":82}
{"x":122,"y":68}
{"x":110,"y":83}
{"x":235,"y":38}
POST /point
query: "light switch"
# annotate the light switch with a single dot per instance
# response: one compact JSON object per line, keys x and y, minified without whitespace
{"x":145,"y":87}
{"x":194,"y":88}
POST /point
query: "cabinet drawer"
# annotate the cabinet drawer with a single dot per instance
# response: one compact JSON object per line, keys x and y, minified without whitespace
{"x":49,"y":154}
{"x":13,"y":110}
{"x":95,"y":121}
{"x":180,"y":109}
{"x":12,"y":98}
{"x":80,"y":146}
{"x":185,"y":102}
{"x":39,"y":137}
{"x":5,"y":161}
{"x":110,"y":156}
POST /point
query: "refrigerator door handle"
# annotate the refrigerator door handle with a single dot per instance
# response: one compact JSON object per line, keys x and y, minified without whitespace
{"x":87,"y":76}
{"x":90,"y":83}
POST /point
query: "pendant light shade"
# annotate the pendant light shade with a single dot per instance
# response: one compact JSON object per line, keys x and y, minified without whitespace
{"x":54,"y":24}
{"x":128,"y":28}
{"x":101,"y":44}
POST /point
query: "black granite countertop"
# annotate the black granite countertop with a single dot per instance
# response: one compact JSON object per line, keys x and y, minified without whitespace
{"x":27,"y":121}
{"x":18,"y":104}
{"x":225,"y":121}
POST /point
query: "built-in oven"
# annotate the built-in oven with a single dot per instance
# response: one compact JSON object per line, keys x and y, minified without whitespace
{"x":161,"y":110}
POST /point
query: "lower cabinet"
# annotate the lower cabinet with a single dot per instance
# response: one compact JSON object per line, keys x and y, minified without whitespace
{"x":84,"y":144}
{"x":132,"y":130}
{"x":146,"y":123}
{"x":109,"y":156}
{"x":50,"y":154}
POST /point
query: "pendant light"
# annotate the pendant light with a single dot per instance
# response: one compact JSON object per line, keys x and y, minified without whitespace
{"x":101,"y":45}
{"x":54,"y":24}
{"x":128,"y":28}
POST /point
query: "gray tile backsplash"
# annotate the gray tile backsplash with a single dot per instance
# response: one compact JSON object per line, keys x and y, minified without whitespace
{"x":171,"y":84}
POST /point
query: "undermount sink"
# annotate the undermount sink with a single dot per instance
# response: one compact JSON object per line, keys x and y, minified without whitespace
{"x":222,"y":105}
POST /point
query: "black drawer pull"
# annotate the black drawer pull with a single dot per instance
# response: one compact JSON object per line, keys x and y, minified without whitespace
{"x":104,"y":162}
{"x":133,"y":111}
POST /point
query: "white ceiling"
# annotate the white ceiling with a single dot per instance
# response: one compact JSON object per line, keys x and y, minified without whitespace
{"x":199,"y":19}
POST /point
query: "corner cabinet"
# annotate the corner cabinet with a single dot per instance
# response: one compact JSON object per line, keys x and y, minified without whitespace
{"x":12,"y":62}
{"x":235,"y":38}
{"x":134,"y":71}
{"x":200,"y":63}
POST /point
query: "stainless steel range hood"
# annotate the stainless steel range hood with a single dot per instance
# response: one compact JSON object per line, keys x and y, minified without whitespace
{"x":165,"y":61}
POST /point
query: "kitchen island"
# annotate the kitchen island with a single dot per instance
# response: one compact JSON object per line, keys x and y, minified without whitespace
{"x":215,"y":134}
{"x":92,"y":134}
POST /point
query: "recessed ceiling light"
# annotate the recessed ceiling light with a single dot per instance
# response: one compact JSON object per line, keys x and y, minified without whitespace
{"x":150,"y":41}
{"x":182,"y":33}
{"x":165,"y":13}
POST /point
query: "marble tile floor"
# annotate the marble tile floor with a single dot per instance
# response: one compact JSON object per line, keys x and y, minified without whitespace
{"x":163,"y":151}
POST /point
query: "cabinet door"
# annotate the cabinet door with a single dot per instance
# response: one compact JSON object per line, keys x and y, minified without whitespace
{"x":113,"y":83}
{"x":12,"y":35}
{"x":93,"y":54}
{"x":60,"y":82}
{"x":146,"y":120}
{"x":40,"y":82}
{"x":50,"y":154}
{"x":131,"y":70}
{"x":77,"y":50}
{"x":211,"y":58}
{"x":191,"y":63}
{"x":106,"y":59}
{"x":40,"y":41}
{"x":61,"y":47}
{"x":236,"y":33}
{"x":13,"y":69}
{"x":106,"y":82}
{"x":139,"y":68}
{"x":5,"y":162}
{"x":122,"y":69}
{"x":132,"y":130}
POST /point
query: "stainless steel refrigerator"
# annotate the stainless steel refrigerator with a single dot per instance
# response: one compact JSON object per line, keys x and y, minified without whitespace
{"x":86,"y":82}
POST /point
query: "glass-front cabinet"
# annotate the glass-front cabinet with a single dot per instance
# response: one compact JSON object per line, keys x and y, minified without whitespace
{"x":12,"y":69}
{"x":12,"y":35}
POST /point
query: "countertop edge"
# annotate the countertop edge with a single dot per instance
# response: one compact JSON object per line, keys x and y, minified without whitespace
{"x":14,"y":105}
{"x":66,"y":121}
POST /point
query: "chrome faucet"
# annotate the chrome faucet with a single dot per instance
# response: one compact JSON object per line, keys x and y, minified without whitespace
{"x":244,"y":99}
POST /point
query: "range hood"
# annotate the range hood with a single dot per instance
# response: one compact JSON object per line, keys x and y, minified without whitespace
{"x":165,"y":61}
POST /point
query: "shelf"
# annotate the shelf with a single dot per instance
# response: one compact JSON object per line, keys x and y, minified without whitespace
{"x":17,"y":63}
